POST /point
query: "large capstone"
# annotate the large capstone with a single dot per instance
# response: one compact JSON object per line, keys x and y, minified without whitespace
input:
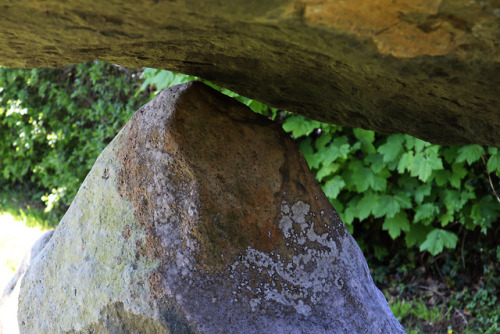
{"x":429,"y":68}
{"x":201,"y":217}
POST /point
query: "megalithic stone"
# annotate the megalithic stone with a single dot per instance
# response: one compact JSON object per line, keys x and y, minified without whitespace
{"x":201,"y":217}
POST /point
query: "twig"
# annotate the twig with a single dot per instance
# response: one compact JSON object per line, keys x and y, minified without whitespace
{"x":430,"y":289}
{"x":462,"y":253}
{"x":462,"y":315}
{"x":489,"y":178}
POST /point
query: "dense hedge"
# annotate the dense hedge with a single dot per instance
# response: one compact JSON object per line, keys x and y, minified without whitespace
{"x":55,"y":122}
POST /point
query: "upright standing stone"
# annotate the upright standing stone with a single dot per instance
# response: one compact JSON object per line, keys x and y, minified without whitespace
{"x":201,"y":217}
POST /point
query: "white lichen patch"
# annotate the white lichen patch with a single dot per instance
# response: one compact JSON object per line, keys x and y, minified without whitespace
{"x":299,"y":282}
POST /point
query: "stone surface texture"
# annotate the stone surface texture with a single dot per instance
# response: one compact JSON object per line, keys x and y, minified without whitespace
{"x":430,"y":68}
{"x":201,"y":217}
{"x":9,"y":301}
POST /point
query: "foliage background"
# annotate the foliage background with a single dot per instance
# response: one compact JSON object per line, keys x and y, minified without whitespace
{"x":408,"y":203}
{"x":55,"y":122}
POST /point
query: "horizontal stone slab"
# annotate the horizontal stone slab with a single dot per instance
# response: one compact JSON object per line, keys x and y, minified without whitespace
{"x":429,"y":68}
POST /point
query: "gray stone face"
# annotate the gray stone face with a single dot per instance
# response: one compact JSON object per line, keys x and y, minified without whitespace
{"x":201,"y":217}
{"x":429,"y":68}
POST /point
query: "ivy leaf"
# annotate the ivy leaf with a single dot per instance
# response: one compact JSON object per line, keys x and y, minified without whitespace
{"x":421,"y":191}
{"x":458,"y":172}
{"x":333,"y":187}
{"x":300,"y":126}
{"x":363,"y":177}
{"x":387,"y":206}
{"x":322,"y":141}
{"x":450,"y":153}
{"x":446,"y":218}
{"x":424,"y":164}
{"x":424,"y":211}
{"x":417,"y":234}
{"x":326,"y":171}
{"x":485,"y":211}
{"x":392,"y":148}
{"x":366,"y":137}
{"x":376,"y":162}
{"x":471,"y":153}
{"x":405,"y":162}
{"x":350,"y":212}
{"x":494,"y":163}
{"x":366,"y":205}
{"x":437,"y":240}
{"x":442,"y":177}
{"x":339,"y":148}
{"x":403,"y":199}
{"x":394,"y":225}
{"x":313,"y":159}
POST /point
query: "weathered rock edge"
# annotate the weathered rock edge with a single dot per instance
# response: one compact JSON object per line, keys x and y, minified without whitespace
{"x":430,"y":68}
{"x":201,"y":217}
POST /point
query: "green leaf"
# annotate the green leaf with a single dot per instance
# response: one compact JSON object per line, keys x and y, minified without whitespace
{"x":339,"y":148}
{"x":313,"y":159}
{"x":417,"y":234}
{"x":425,"y":211}
{"x":446,"y":218}
{"x":376,"y":162}
{"x":494,"y":163}
{"x":333,"y":187}
{"x":300,"y":126}
{"x":450,"y":154}
{"x":486,"y":211}
{"x":392,"y":148}
{"x":437,"y":240}
{"x":403,"y":199}
{"x":394,"y":225}
{"x":364,"y":135}
{"x":350,"y":212}
{"x":424,"y":164}
{"x":326,"y":171}
{"x":470,"y":153}
{"x":366,"y":205}
{"x":421,"y":191}
{"x":405,"y":162}
{"x":442,"y":177}
{"x":458,"y":172}
{"x":387,"y":206}
{"x":322,"y":141}
{"x":366,"y":138}
{"x":364,"y":177}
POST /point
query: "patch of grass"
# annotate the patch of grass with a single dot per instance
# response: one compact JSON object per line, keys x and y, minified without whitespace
{"x":22,"y":222}
{"x":15,"y":240}
{"x":417,"y":317}
{"x":24,"y":204}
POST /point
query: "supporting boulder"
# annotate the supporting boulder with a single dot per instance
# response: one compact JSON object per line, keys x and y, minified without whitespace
{"x":201,"y":217}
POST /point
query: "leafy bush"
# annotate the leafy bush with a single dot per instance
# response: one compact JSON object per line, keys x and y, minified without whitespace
{"x":55,"y":122}
{"x":403,"y":185}
{"x":413,"y":188}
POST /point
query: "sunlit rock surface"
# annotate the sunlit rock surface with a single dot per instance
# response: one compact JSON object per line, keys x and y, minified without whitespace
{"x":429,"y":68}
{"x":201,"y":217}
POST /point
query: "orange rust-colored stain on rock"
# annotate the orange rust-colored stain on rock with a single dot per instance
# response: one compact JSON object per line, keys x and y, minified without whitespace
{"x":230,"y":152}
{"x":395,"y":26}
